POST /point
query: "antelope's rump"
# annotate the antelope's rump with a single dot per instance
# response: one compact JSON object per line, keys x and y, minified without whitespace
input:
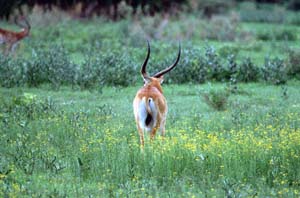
{"x":145,"y":113}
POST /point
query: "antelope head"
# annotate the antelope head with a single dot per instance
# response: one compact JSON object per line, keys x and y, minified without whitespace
{"x":23,"y":23}
{"x":159,"y":75}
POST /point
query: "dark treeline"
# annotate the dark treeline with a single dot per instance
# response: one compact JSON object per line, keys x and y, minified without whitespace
{"x":111,"y":9}
{"x":90,"y":7}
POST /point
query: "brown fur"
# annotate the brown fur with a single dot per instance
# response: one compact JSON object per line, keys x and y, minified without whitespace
{"x":10,"y":38}
{"x":152,"y":90}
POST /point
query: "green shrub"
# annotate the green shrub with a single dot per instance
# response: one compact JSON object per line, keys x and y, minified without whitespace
{"x":294,"y":63}
{"x":107,"y":68}
{"x":247,"y":71}
{"x":232,"y":70}
{"x":286,"y":34}
{"x":36,"y":70}
{"x":87,"y":77}
{"x":116,"y":69}
{"x":211,"y":7}
{"x":27,"y":106}
{"x":232,"y":65}
{"x":264,"y":35}
{"x":52,"y":66}
{"x":216,"y":70}
{"x":60,"y":69}
{"x":191,"y":67}
{"x":250,"y":12}
{"x":217,"y":99}
{"x":221,"y":28}
{"x":11,"y":71}
{"x":111,"y":67}
{"x":228,"y":50}
{"x":275,"y":71}
{"x":293,"y":18}
{"x":282,"y":34}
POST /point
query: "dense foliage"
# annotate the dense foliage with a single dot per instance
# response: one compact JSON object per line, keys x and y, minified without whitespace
{"x":97,"y":53}
{"x":54,"y":66}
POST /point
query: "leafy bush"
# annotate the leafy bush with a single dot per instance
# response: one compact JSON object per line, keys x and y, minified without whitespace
{"x":116,"y":69}
{"x":87,"y":77}
{"x":293,"y":18}
{"x":232,"y":65}
{"x":286,"y":34}
{"x":275,"y":71}
{"x":25,"y":150}
{"x":217,"y":99}
{"x":251,"y":12}
{"x":60,"y":69}
{"x":215,"y":69}
{"x":152,"y":27}
{"x":294,"y":63}
{"x":232,"y":70}
{"x":191,"y":67}
{"x":248,"y":71}
{"x":11,"y":71}
{"x":211,"y":7}
{"x":51,"y":66}
{"x":36,"y":70}
{"x":111,"y":68}
{"x":228,"y":50}
{"x":277,"y":34}
{"x":221,"y":28}
{"x":26,"y":106}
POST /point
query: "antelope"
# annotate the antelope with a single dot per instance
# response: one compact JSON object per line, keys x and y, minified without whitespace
{"x":10,"y":38}
{"x":150,"y":106}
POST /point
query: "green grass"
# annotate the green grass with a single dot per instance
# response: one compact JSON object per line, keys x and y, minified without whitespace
{"x":124,"y":36}
{"x":87,"y":144}
{"x":71,"y":143}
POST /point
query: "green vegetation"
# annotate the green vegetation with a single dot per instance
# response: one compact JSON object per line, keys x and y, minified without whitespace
{"x":217,"y":99}
{"x":66,"y":118}
{"x":80,"y":144}
{"x":86,"y":54}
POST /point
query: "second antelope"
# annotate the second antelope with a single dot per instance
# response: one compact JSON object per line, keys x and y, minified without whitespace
{"x":10,"y":38}
{"x":150,"y":106}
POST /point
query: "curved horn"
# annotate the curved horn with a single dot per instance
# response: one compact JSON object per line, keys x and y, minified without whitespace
{"x":143,"y":69}
{"x":159,"y":74}
{"x":27,"y":23}
{"x":17,"y":21}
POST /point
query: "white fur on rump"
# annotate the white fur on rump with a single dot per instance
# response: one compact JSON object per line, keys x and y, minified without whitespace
{"x":142,"y":114}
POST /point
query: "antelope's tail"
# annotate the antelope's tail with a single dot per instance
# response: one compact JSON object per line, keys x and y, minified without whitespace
{"x":149,"y":117}
{"x":147,"y":103}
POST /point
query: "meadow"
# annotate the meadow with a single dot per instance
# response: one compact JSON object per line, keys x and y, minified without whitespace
{"x":67,"y":127}
{"x":79,"y":143}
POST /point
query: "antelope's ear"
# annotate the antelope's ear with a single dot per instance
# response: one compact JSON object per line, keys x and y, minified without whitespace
{"x":161,"y":79}
{"x":146,"y":79}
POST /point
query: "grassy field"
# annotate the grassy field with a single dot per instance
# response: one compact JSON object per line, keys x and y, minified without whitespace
{"x":253,"y":39}
{"x":80,"y":140}
{"x":84,"y":144}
